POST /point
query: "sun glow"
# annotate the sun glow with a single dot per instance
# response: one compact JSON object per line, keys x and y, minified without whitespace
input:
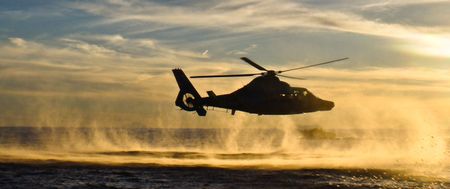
{"x":437,"y":46}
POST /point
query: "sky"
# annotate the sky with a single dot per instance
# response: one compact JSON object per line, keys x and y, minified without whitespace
{"x":108,"y":62}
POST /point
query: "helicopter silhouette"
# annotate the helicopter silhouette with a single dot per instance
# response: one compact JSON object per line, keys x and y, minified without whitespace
{"x":264,"y":95}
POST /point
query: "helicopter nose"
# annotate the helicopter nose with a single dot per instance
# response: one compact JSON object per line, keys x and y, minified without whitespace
{"x":327,"y":105}
{"x":331,"y":105}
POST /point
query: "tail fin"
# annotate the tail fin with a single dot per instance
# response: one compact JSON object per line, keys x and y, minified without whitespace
{"x":188,"y":98}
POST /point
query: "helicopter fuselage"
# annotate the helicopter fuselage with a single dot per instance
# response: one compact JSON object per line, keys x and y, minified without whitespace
{"x":267,"y":95}
{"x":264,"y":95}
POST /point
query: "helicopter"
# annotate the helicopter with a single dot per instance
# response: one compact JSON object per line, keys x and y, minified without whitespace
{"x":264,"y":95}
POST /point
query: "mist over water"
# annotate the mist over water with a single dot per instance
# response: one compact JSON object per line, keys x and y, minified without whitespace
{"x":404,"y":139}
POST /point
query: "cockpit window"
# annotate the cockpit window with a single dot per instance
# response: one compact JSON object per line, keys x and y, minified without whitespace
{"x":296,"y":93}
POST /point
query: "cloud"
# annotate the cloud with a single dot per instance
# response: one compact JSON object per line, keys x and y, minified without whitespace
{"x":69,"y":64}
{"x":114,"y":39}
{"x":88,"y":48}
{"x":148,"y":43}
{"x":398,"y":3}
{"x":119,"y":45}
{"x":85,"y":72}
{"x":244,"y":51}
{"x":256,"y":16}
{"x":17,"y":41}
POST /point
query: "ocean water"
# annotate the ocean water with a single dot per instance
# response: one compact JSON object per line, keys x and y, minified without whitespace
{"x":47,"y":157}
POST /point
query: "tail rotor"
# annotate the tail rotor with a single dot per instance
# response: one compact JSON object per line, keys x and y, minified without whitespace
{"x":188,"y":98}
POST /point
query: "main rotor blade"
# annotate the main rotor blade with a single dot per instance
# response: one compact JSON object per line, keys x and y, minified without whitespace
{"x":328,"y":62}
{"x":228,"y":75}
{"x":253,"y":63}
{"x":290,"y":77}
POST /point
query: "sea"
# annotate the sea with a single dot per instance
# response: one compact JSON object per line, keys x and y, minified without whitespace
{"x":307,"y":157}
